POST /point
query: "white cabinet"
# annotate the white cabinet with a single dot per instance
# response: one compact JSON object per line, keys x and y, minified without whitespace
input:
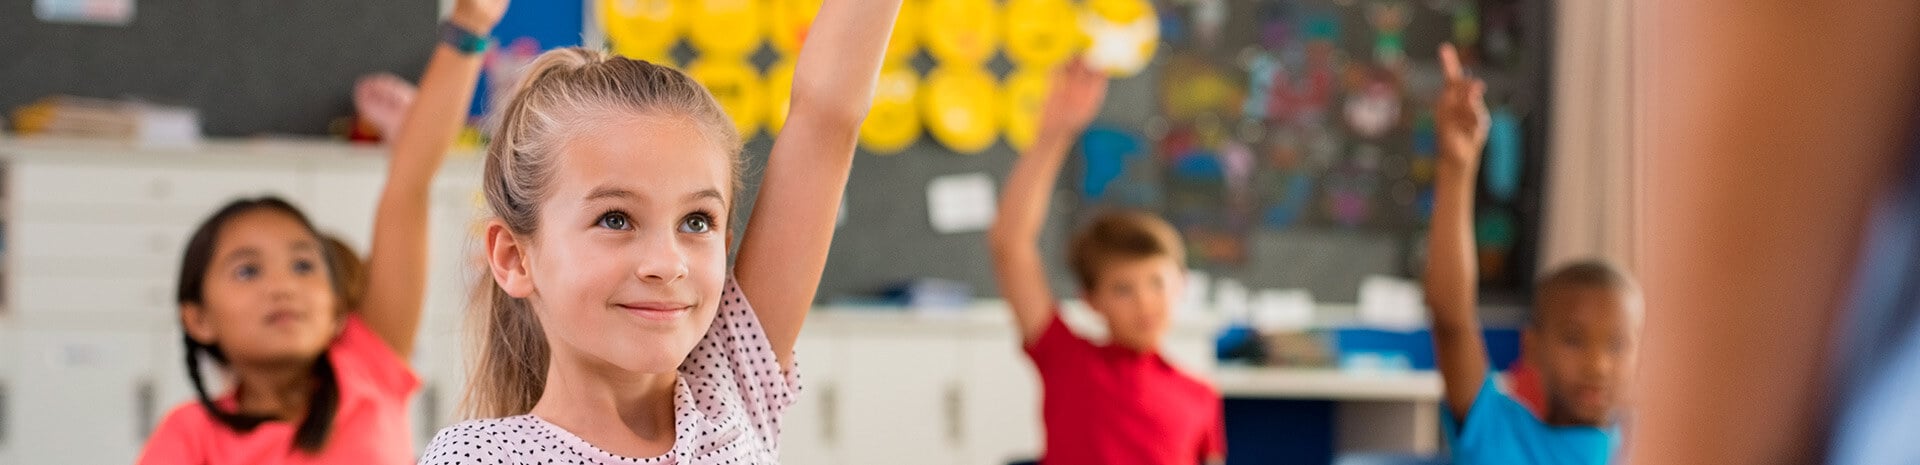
{"x":90,"y":350}
{"x":437,"y":360}
{"x":1001,"y":396}
{"x":9,"y":345}
{"x":80,"y":395}
{"x":951,"y":388}
{"x":345,"y":196}
{"x":810,"y":431}
{"x":900,"y":398}
{"x":148,"y":184}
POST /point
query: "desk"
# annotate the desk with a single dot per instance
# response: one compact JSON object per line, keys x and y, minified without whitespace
{"x":1373,"y":411}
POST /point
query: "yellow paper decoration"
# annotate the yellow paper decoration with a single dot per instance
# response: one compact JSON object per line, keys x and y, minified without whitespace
{"x":894,"y":122}
{"x":1124,"y":35}
{"x":1025,"y":92}
{"x":642,"y":29}
{"x":779,"y":95}
{"x":1042,"y":33}
{"x":725,"y":27}
{"x":960,"y":31}
{"x":961,"y":108}
{"x":788,"y":23}
{"x":737,"y":86}
{"x":905,"y":40}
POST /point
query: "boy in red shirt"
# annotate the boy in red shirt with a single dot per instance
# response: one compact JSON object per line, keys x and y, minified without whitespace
{"x":1118,"y":403}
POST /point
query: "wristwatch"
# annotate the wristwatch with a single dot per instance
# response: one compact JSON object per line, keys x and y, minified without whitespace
{"x":462,"y":39}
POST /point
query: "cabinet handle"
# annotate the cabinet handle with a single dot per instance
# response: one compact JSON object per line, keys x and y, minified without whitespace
{"x":954,"y":414}
{"x":830,"y":414}
{"x":144,"y":398}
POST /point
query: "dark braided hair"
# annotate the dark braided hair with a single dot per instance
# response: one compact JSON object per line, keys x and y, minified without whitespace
{"x":312,"y":433}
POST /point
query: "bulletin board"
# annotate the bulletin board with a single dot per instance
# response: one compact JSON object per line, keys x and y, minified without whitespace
{"x":1287,"y":235}
{"x":1292,"y":141}
{"x":250,"y":67}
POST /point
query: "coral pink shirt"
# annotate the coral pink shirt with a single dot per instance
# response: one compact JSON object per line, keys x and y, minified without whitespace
{"x":371,"y":426}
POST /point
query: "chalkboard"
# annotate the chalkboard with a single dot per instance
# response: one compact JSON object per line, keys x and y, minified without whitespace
{"x":251,"y":67}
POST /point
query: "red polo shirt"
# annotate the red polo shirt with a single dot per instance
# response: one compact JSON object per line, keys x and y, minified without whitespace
{"x":1106,"y":405}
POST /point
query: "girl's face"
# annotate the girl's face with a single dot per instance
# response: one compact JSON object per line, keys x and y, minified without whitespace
{"x":268,"y":297}
{"x":628,"y":262}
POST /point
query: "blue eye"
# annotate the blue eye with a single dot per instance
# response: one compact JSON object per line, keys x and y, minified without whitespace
{"x":696,"y":223}
{"x":613,"y":220}
{"x":246,"y":272}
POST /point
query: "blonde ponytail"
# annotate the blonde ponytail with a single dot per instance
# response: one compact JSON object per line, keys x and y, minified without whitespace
{"x":563,"y":94}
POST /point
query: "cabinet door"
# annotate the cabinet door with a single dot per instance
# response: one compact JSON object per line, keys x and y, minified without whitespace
{"x":152,"y":187}
{"x":809,"y":431}
{"x":346,"y":193}
{"x":168,"y":369}
{"x":81,"y":396}
{"x":899,"y":400}
{"x":1001,"y":399}
{"x":440,"y":362}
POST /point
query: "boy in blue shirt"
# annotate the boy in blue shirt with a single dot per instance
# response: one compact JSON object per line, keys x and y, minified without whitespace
{"x":1581,"y":338}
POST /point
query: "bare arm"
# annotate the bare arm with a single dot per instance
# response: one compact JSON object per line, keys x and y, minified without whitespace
{"x":1760,"y":163}
{"x":1451,"y":276}
{"x":397,"y":264}
{"x":782,"y":257}
{"x":1015,"y":236}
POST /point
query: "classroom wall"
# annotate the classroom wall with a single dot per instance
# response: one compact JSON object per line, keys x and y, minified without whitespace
{"x":288,"y":68}
{"x":251,"y":67}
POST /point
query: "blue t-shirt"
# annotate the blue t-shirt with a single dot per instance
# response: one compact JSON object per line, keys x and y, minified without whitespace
{"x":1499,"y":430}
{"x":1879,"y":357}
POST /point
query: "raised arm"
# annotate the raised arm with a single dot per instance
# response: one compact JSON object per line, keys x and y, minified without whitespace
{"x":1460,"y":118}
{"x":397,"y":264}
{"x":1015,"y":236}
{"x":784,"y":252}
{"x":1759,"y":167}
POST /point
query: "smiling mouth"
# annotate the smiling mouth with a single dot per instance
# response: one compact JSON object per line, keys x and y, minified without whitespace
{"x":656,"y":312}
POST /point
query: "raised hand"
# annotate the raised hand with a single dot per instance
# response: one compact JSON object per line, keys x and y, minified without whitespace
{"x":478,"y":16}
{"x":1078,"y":91}
{"x":1460,"y":114}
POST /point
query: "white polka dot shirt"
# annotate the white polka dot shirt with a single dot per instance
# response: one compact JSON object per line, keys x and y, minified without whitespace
{"x":727,"y":406}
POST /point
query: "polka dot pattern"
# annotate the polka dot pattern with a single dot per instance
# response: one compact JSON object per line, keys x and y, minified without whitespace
{"x":727,"y":407}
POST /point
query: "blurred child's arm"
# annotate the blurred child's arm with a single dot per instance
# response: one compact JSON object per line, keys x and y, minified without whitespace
{"x":397,"y":263}
{"x":1758,"y":168}
{"x":1015,"y":236}
{"x":782,"y":257}
{"x":1451,"y":278}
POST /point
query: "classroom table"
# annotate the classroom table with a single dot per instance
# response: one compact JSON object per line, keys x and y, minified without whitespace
{"x":1290,"y":414}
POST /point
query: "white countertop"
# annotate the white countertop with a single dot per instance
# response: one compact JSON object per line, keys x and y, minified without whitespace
{"x":1326,"y":384}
